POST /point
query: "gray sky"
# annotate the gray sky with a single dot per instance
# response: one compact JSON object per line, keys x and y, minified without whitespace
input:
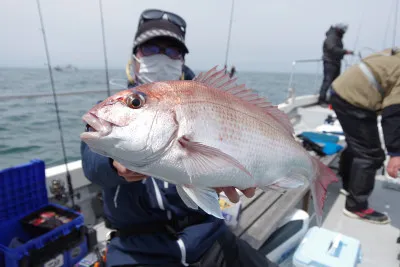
{"x":266,"y":35}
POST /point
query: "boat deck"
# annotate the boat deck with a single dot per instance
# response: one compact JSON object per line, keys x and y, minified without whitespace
{"x":378,"y":242}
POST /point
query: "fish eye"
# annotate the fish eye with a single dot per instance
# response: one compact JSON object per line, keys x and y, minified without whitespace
{"x":135,"y":101}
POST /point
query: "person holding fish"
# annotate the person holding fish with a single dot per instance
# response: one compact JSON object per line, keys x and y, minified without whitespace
{"x":358,"y":96}
{"x":153,"y":225}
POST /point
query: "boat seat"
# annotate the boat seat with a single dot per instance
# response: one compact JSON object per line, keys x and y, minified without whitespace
{"x":261,"y":215}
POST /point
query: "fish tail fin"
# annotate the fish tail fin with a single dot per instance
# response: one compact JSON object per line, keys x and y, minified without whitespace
{"x":322,"y":178}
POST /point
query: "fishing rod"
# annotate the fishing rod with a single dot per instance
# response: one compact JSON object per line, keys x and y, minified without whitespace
{"x":104,"y":47}
{"x":37,"y":95}
{"x":68,"y":175}
{"x":229,"y":34}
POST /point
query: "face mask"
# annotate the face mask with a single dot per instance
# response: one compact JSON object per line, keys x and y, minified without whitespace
{"x":157,"y":68}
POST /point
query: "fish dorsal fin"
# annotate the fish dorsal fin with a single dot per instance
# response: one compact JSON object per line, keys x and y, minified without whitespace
{"x":222,"y":81}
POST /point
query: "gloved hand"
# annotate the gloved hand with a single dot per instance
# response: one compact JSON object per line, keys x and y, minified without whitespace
{"x":349,"y":52}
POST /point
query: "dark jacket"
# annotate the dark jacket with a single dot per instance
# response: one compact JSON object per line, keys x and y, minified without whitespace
{"x":188,"y":73}
{"x":333,"y":46}
{"x":151,"y":200}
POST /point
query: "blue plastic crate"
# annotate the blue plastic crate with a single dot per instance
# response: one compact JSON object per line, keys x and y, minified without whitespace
{"x":23,"y":191}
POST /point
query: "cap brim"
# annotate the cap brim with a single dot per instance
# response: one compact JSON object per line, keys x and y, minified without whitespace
{"x":158,"y":33}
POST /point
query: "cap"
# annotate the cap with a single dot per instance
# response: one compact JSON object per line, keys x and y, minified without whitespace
{"x":159,"y":28}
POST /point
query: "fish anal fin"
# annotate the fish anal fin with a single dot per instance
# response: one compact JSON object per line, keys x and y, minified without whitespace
{"x":186,"y":198}
{"x":206,"y":199}
{"x":221,"y":81}
{"x":202,"y":159}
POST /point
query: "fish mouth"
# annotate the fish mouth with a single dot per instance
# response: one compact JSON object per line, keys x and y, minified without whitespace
{"x":95,"y":127}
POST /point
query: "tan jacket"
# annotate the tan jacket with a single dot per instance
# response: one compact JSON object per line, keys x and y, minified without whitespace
{"x":355,"y":88}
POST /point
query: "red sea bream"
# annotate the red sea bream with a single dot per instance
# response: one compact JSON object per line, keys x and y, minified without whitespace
{"x":202,"y":134}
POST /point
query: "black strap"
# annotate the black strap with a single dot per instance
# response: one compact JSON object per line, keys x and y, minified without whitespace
{"x":229,"y":245}
{"x":173,"y":226}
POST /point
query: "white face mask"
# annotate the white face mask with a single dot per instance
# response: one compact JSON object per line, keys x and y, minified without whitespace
{"x":157,"y":68}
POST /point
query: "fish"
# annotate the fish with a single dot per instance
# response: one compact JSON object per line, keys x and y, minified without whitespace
{"x":202,"y":134}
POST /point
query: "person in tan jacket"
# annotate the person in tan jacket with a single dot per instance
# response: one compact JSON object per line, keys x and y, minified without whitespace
{"x":358,"y":96}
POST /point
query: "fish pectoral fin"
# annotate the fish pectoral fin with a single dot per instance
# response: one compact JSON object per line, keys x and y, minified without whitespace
{"x":206,"y":199}
{"x":202,"y":159}
{"x":186,"y":198}
{"x":292,"y":180}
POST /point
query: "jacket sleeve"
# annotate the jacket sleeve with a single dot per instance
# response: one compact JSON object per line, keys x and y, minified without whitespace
{"x":188,"y":73}
{"x":332,"y":46}
{"x":391,"y":129}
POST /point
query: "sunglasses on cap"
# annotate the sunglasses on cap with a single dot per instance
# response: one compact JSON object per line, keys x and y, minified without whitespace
{"x":153,"y":49}
{"x":155,"y":14}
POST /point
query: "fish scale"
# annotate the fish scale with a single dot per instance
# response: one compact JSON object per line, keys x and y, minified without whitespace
{"x":202,"y":134}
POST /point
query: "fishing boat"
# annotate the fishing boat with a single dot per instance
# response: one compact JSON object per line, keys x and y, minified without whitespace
{"x":305,"y":115}
{"x":67,"y":185}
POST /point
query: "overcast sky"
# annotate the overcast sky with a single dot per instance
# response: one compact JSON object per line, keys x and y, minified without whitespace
{"x":266,"y":35}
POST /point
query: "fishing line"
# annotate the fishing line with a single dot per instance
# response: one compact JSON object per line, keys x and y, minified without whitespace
{"x":358,"y":35}
{"x":104,"y":47}
{"x":68,"y":93}
{"x":388,"y":25}
{"x":395,"y":25}
{"x":229,"y":35}
{"x":68,"y":175}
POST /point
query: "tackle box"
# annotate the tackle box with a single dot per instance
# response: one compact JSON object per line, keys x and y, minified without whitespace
{"x":34,"y":232}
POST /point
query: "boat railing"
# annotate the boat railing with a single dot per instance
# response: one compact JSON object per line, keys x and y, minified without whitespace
{"x":291,"y":87}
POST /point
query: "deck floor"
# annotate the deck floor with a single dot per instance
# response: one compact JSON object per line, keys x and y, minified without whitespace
{"x":378,"y":242}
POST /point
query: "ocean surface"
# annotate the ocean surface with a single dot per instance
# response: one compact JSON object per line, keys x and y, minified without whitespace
{"x":28,"y":126}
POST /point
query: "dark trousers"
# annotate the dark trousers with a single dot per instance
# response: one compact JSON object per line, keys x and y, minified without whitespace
{"x":331,"y":72}
{"x":228,"y":251}
{"x":363,"y":155}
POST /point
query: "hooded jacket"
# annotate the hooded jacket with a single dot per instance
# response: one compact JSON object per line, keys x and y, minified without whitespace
{"x":333,"y":51}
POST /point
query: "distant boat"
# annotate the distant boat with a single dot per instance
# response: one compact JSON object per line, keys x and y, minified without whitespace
{"x":68,"y":67}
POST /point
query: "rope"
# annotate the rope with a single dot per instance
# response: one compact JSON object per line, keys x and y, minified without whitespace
{"x":70,"y":188}
{"x":104,"y":47}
